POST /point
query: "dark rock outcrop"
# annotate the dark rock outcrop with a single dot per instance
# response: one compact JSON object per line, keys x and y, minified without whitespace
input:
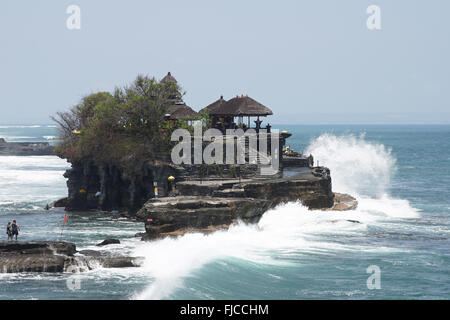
{"x":107,"y":188}
{"x":25,"y":148}
{"x":48,"y":256}
{"x":344,"y":202}
{"x":210,"y":205}
{"x":39,"y":256}
{"x":312,"y":187}
{"x":314,"y":191}
{"x":37,"y":248}
{"x":197,"y":204}
{"x":32,"y":263}
{"x":61,"y":203}
{"x":108,"y":241}
{"x":120,"y":262}
{"x":175,"y":215}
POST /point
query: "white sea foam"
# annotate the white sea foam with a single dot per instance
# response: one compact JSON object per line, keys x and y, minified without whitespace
{"x":20,"y":127}
{"x":15,"y":138}
{"x":31,"y":179}
{"x":357,"y":167}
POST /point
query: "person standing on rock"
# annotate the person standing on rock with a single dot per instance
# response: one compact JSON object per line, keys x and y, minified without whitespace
{"x":8,"y":231}
{"x":14,"y":229}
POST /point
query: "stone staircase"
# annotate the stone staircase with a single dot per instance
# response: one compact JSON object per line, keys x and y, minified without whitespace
{"x":253,"y":156}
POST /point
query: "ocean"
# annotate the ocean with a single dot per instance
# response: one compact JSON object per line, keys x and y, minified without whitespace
{"x":399,"y":174}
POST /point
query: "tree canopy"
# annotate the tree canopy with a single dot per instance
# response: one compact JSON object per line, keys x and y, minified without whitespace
{"x":120,"y":128}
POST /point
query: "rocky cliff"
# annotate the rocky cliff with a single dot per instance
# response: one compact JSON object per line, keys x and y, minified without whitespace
{"x":177,"y":215}
{"x":105,"y":187}
{"x":209,"y":205}
{"x":198,"y":204}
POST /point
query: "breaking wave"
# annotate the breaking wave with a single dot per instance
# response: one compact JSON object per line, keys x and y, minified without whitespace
{"x":20,"y":126}
{"x":358,"y":167}
{"x":27,"y":181}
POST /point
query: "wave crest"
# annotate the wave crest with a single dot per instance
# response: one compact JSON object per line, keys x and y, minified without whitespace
{"x":357,"y":166}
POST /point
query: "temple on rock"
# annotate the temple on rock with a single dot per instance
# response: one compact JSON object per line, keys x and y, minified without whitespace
{"x":232,"y":114}
{"x":236,"y":113}
{"x":178,"y":109}
{"x":209,"y":180}
{"x":240,"y":112}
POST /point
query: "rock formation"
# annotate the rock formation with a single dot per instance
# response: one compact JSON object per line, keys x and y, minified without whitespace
{"x":195,"y":202}
{"x":108,"y":242}
{"x":25,"y":148}
{"x":50,"y":256}
{"x":344,"y":202}
{"x":107,"y":188}
{"x":208,"y":205}
{"x":177,"y":215}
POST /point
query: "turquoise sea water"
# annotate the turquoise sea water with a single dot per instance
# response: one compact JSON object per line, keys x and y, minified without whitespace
{"x":399,"y":174}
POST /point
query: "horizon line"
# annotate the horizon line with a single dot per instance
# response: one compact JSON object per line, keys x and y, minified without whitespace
{"x":273,"y":124}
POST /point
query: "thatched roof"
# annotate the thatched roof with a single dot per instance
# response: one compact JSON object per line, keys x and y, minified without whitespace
{"x":169,"y":78}
{"x":241,"y":106}
{"x":182,"y":111}
{"x":214,"y":106}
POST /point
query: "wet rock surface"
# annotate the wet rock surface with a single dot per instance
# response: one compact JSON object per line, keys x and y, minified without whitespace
{"x":91,"y":253}
{"x":49,"y":256}
{"x":177,"y":215}
{"x":32,"y":263}
{"x":108,"y":242}
{"x":344,"y":202}
{"x":37,"y":248}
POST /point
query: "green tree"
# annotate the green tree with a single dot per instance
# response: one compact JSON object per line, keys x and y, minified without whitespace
{"x":123,"y":128}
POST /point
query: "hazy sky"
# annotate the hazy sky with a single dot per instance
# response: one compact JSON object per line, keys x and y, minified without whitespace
{"x":309,"y":61}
